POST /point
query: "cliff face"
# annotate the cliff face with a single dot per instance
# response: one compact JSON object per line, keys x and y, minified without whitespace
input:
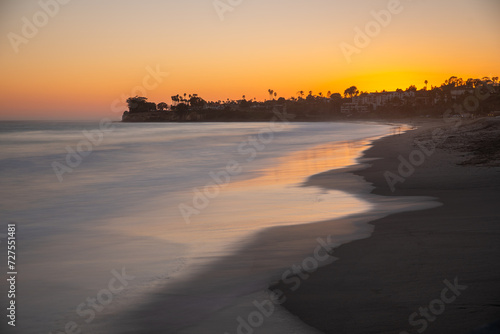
{"x":148,"y":117}
{"x":158,"y":116}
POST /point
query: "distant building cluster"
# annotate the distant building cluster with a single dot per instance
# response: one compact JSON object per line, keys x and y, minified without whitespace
{"x":409,"y":102}
{"x":367,"y":102}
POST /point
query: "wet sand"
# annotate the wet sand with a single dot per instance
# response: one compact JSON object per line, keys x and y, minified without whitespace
{"x":217,"y":294}
{"x":440,"y":266}
{"x":398,"y":264}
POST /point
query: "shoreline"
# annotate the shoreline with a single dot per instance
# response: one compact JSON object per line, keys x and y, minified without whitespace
{"x":250,"y":269}
{"x":313,"y":302}
{"x":378,"y":282}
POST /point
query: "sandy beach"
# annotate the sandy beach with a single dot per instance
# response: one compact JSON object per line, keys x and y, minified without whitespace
{"x":366,"y":259}
{"x":432,"y":271}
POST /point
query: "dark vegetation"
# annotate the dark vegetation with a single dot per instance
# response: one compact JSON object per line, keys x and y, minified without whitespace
{"x":456,"y":97}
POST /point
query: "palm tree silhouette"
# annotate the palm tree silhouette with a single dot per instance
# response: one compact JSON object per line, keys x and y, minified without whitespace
{"x":270,"y":91}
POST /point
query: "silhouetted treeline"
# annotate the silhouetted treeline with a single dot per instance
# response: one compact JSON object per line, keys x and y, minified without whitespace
{"x":475,"y":96}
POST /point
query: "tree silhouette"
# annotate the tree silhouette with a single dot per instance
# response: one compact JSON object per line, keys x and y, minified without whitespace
{"x":162,"y":106}
{"x":196,"y":102}
{"x":472,"y":83}
{"x":271,"y":92}
{"x":176,"y":99}
{"x":134,"y":102}
{"x":351,"y":91}
{"x":140,"y":104}
{"x":412,"y":88}
{"x":336,"y":96}
{"x":452,"y":82}
{"x":426,"y":83}
{"x":182,"y":110}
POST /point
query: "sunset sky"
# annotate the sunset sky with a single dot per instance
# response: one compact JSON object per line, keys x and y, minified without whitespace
{"x":90,"y":54}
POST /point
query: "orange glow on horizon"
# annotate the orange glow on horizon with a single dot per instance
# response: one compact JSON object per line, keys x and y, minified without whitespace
{"x":89,"y":55}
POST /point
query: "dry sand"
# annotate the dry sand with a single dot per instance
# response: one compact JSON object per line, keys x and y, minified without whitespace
{"x":378,"y":282}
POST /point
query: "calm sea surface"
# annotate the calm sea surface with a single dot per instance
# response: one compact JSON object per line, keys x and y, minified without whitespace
{"x":108,"y":214}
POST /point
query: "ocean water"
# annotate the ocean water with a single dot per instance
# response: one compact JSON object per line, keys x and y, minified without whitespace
{"x":115,"y":219}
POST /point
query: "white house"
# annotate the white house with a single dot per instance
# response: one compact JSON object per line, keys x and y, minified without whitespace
{"x":349,"y":108}
{"x":379,"y":99}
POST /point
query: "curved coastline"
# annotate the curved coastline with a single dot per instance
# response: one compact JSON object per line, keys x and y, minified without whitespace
{"x":379,"y":282}
{"x":351,"y":295}
{"x":279,"y":247}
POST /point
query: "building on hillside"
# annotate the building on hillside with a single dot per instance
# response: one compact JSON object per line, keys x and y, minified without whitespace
{"x":351,"y":108}
{"x":213,"y":106}
{"x":379,"y":99}
{"x":459,"y":91}
{"x":424,"y":97}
